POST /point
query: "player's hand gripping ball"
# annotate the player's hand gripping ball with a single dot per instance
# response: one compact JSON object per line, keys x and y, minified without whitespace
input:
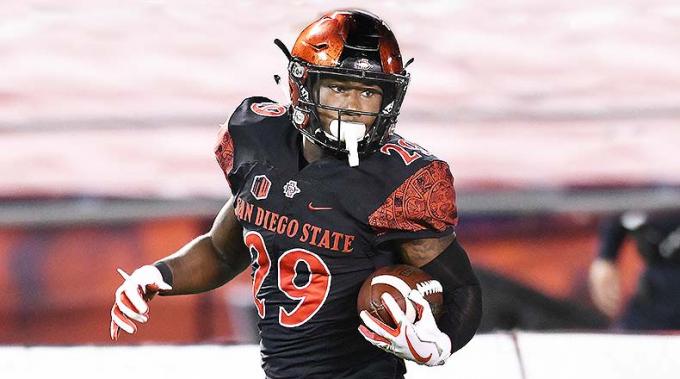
{"x":398,"y":281}
{"x":399,"y":306}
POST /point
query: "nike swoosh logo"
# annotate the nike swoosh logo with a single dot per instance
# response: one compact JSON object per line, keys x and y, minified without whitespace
{"x":313,"y":208}
{"x":417,"y":356}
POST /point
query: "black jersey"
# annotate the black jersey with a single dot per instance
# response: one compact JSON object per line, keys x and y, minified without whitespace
{"x":656,"y":234}
{"x":316,"y":233}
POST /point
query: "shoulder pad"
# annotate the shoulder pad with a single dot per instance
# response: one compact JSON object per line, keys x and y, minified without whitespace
{"x":255,"y":127}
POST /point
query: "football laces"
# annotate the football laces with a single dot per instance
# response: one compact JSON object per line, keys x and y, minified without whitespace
{"x":429,"y":287}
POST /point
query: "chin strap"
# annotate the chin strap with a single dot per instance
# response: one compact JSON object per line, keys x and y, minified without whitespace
{"x":277,"y":78}
{"x":283,"y":48}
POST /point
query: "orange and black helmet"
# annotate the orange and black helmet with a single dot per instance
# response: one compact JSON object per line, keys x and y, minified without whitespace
{"x":348,"y":45}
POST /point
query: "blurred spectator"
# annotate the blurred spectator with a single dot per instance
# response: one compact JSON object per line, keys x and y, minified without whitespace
{"x":656,"y":303}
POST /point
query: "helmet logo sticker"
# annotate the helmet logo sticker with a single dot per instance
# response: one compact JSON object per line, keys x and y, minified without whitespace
{"x":260,"y":187}
{"x":268,"y":109}
{"x":362,"y":64}
{"x":291,"y":189}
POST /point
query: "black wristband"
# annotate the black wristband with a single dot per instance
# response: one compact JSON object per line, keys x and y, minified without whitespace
{"x":166,"y":273}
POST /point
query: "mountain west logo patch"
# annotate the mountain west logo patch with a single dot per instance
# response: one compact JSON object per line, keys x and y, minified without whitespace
{"x":260,"y":187}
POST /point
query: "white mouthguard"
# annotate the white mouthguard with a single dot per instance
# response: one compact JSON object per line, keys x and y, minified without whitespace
{"x":350,"y":133}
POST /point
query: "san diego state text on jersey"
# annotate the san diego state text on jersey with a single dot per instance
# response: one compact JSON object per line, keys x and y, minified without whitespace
{"x":316,"y":233}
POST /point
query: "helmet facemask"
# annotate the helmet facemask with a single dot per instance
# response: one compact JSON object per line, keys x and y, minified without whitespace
{"x":304,"y":82}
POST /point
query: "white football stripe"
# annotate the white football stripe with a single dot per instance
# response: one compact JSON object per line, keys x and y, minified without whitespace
{"x":392,"y":281}
{"x":400,"y":286}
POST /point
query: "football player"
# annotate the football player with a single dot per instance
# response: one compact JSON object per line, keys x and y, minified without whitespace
{"x":655,"y":304}
{"x":323,"y":193}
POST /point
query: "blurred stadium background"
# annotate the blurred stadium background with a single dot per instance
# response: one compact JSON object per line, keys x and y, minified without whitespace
{"x":552,"y":115}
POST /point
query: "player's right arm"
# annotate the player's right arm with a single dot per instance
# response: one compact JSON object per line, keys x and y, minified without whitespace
{"x":214,"y":258}
{"x":203,"y":264}
{"x":210,"y":260}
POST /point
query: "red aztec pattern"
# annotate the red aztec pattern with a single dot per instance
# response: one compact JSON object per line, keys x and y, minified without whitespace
{"x":426,"y":200}
{"x":224,"y":150}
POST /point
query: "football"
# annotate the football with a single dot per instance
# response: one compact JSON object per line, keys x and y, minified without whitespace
{"x":398,"y":281}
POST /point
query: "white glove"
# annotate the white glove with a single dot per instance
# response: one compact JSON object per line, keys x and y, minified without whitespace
{"x":420,"y":341}
{"x":132,"y":297}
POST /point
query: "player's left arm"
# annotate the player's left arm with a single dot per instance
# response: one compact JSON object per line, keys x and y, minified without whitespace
{"x":447,"y":262}
{"x":424,"y":236}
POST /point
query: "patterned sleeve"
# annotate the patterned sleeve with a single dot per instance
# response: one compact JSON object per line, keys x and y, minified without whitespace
{"x":224,"y":152}
{"x":423,"y":206}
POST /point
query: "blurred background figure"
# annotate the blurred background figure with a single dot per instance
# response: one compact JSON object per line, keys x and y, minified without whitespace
{"x":656,"y":303}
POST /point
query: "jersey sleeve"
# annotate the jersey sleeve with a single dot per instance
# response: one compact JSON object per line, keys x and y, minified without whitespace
{"x":423,"y":206}
{"x":253,"y":127}
{"x":224,"y":153}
